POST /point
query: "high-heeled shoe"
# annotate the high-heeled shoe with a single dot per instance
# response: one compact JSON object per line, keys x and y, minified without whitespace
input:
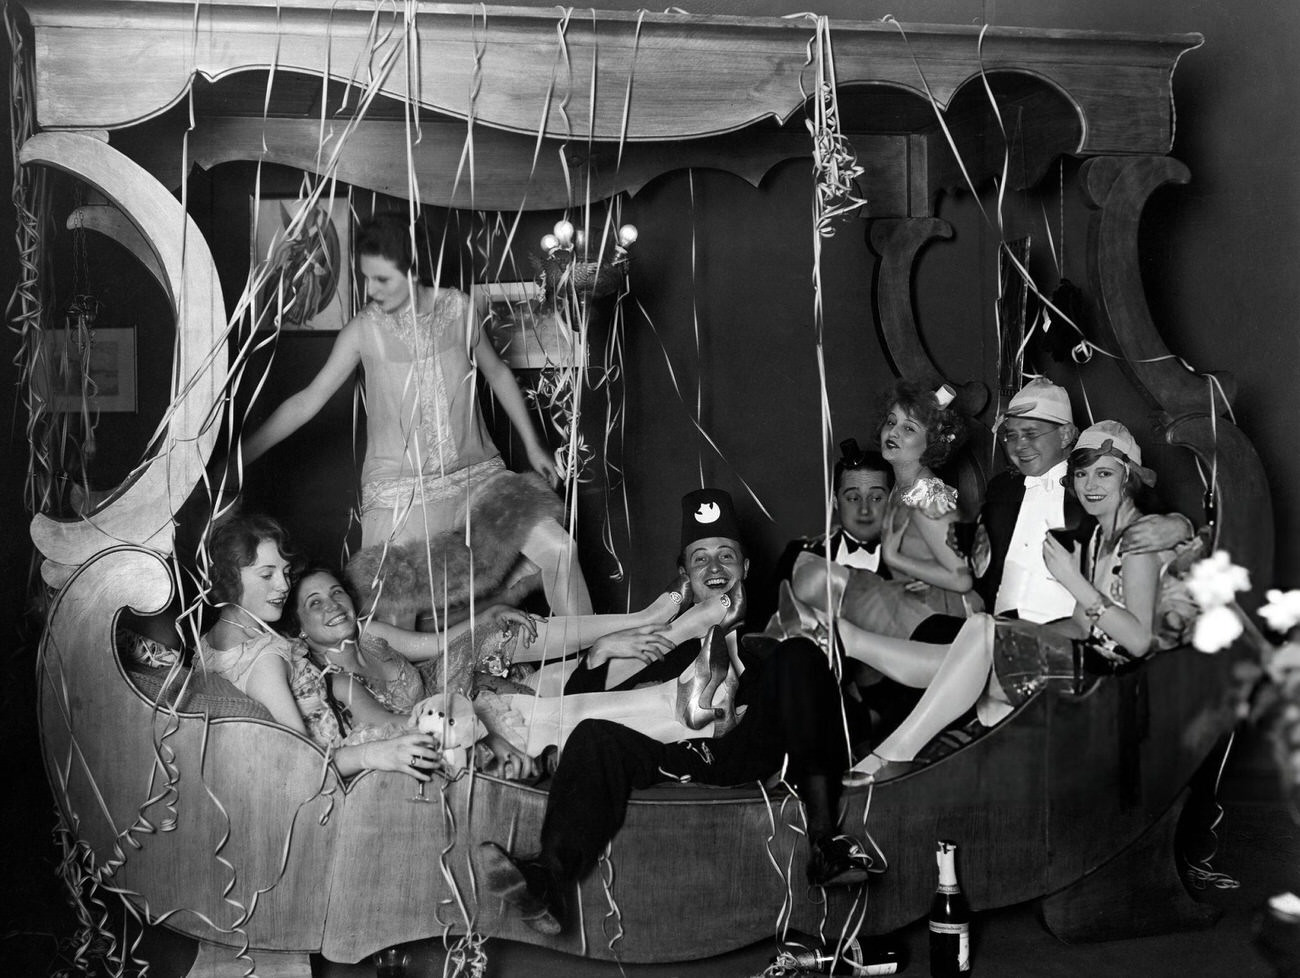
{"x":736,"y":604}
{"x":695,"y":707}
{"x":681,"y":595}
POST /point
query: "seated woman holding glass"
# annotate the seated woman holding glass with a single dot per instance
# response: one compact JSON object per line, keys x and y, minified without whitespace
{"x":250,"y":574}
{"x":1114,"y":615}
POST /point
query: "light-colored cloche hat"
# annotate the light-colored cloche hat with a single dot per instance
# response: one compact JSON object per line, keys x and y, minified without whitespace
{"x":1040,"y":400}
{"x":1112,"y":438}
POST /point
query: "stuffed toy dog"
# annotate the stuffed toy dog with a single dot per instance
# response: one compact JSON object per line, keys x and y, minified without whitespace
{"x":452,"y":722}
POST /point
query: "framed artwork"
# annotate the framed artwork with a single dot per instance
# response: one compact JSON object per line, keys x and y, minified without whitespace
{"x":310,"y":271}
{"x":107,"y":362}
{"x":524,"y":330}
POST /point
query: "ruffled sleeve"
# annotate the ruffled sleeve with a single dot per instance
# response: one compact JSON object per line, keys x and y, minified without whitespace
{"x":932,"y":497}
{"x":236,"y":663}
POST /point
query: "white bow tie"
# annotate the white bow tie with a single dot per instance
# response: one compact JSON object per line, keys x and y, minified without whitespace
{"x":1045,"y":482}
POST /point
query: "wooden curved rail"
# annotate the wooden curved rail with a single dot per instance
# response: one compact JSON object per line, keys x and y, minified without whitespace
{"x":142,"y":511}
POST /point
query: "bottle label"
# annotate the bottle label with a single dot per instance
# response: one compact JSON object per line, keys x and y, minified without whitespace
{"x":948,"y":888}
{"x":938,"y":927}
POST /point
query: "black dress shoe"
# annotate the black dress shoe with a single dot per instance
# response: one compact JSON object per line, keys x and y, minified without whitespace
{"x":526,"y":885}
{"x":838,"y":860}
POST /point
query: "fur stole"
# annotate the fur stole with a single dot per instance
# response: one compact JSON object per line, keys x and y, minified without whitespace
{"x":414,"y":578}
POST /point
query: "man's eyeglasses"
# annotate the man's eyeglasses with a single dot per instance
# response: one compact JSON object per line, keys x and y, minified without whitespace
{"x":1011,"y":438}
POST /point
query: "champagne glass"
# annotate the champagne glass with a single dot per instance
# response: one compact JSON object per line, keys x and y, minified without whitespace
{"x":427,"y":767}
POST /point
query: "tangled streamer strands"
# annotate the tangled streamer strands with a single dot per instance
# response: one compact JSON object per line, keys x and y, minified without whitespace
{"x":589,"y":454}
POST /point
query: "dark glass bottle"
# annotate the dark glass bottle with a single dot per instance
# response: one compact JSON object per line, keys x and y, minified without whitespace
{"x":949,"y":919}
{"x":806,"y":954}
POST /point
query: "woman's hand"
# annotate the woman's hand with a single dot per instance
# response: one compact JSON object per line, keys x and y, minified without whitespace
{"x":513,"y":618}
{"x":543,"y":463}
{"x":507,"y":762}
{"x":895,"y":525}
{"x":645,"y":642}
{"x":1061,"y":564}
{"x":413,"y":754}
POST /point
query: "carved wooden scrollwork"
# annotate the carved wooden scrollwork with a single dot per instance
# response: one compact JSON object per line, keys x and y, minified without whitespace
{"x":142,"y":511}
{"x":1193,"y":405}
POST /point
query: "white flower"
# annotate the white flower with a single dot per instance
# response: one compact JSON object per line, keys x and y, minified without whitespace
{"x":1215,"y":582}
{"x":1282,"y":612}
{"x":1216,"y":629}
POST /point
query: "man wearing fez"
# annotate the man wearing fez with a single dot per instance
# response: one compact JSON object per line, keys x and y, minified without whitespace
{"x":791,"y":716}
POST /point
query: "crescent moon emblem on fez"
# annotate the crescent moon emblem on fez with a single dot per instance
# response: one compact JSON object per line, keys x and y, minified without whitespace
{"x":708,"y":513}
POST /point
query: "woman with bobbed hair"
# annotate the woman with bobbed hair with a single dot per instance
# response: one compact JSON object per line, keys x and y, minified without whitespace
{"x":928,"y":592}
{"x":251,"y":570}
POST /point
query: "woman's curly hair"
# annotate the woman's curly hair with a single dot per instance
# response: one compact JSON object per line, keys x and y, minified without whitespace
{"x":233,"y":546}
{"x":946,"y":428}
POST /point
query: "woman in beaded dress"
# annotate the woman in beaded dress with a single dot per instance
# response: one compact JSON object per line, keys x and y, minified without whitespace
{"x":432,"y":477}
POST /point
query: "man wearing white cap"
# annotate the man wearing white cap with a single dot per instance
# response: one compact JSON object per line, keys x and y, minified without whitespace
{"x":1021,"y":505}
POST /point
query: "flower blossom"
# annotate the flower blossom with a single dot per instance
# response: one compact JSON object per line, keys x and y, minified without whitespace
{"x":1216,"y":629}
{"x":1215,"y":581}
{"x":1282,"y":612}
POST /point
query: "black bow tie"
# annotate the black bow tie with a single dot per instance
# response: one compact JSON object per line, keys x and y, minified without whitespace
{"x":855,"y":545}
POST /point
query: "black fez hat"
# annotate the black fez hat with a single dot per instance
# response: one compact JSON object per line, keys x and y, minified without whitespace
{"x":708,"y":513}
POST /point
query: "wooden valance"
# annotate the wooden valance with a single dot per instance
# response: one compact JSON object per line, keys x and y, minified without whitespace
{"x":657,"y":76}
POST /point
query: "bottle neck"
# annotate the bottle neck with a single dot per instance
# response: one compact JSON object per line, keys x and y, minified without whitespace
{"x":946,"y":855}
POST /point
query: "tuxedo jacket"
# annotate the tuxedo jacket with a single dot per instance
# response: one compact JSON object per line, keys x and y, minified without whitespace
{"x":1002,"y":499}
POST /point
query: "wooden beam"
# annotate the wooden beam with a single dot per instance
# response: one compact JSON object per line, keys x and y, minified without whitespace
{"x":605,"y":75}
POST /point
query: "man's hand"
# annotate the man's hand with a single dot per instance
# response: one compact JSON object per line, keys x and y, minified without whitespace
{"x":646,"y":643}
{"x":1150,"y":534}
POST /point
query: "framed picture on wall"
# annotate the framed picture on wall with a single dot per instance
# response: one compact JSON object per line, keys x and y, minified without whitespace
{"x":101,"y":367}
{"x":524,"y":329}
{"x":308,"y":264}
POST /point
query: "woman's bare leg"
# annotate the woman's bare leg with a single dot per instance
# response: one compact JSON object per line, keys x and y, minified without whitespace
{"x":555,"y":554}
{"x":956,"y":686}
{"x":652,"y":711}
{"x":819,"y":584}
{"x":902,"y":660}
{"x":694,"y":622}
{"x":561,"y":636}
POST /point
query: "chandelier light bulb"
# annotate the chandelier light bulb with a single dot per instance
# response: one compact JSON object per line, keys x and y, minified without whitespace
{"x":549,"y":243}
{"x":564,"y":233}
{"x":627,"y":235}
